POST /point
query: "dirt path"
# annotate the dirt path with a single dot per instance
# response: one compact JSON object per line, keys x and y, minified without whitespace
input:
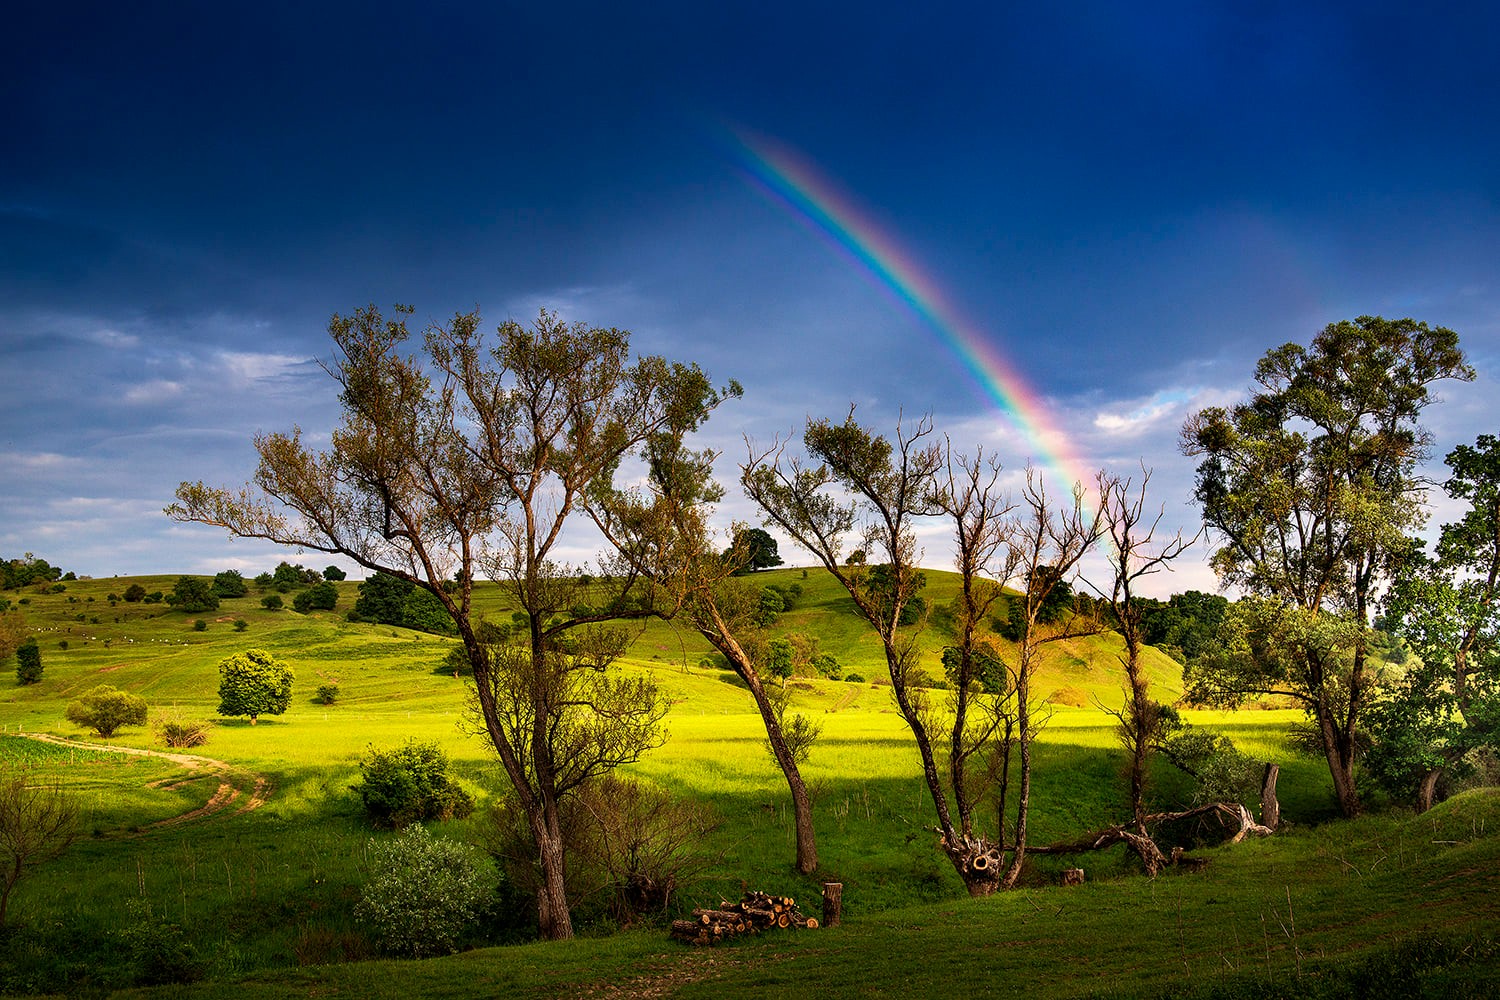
{"x":233,"y":782}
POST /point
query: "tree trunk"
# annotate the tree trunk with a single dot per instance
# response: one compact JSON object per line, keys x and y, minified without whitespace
{"x":807,"y":844}
{"x":1338,"y":748}
{"x":1427,"y":789}
{"x":1270,"y":808}
{"x":554,"y":922}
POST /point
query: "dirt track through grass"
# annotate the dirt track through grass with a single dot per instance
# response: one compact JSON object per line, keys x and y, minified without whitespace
{"x":233,"y":782}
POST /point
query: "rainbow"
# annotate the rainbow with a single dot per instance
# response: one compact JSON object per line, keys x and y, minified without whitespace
{"x":790,"y":181}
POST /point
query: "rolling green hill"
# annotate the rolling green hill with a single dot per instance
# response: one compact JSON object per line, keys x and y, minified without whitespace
{"x":258,"y":861}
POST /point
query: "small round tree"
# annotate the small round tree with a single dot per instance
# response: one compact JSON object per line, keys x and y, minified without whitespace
{"x":106,"y":708}
{"x":254,"y":683}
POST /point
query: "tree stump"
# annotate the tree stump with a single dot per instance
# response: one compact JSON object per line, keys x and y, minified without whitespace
{"x":1270,"y":809}
{"x":1072,"y":876}
{"x":833,"y":903}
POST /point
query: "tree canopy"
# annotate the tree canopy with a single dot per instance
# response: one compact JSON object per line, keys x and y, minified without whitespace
{"x":1311,"y":492}
{"x":753,"y":549}
{"x":254,"y":683}
{"x":472,"y":455}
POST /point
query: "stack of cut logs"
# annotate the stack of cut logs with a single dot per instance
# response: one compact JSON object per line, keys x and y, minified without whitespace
{"x":755,"y":912}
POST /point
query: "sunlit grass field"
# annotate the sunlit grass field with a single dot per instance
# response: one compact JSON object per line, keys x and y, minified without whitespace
{"x":271,"y":887}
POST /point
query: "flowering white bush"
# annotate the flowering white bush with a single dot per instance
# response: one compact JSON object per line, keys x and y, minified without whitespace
{"x":425,"y":891}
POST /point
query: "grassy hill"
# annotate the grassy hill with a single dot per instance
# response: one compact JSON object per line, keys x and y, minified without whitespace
{"x":265,"y":882}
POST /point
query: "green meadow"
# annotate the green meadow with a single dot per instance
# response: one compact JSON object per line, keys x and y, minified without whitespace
{"x":247,"y":864}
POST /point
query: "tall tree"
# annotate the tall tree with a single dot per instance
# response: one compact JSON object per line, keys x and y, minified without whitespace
{"x":1448,"y":611}
{"x":875,"y":490}
{"x":1311,"y":489}
{"x":1135,"y":553}
{"x":472,"y":456}
{"x":662,"y":530}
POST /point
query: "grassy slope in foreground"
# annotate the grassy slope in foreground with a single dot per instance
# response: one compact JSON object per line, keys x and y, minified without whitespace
{"x":1274,"y":917}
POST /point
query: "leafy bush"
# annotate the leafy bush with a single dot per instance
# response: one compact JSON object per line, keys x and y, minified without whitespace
{"x":327,"y":694}
{"x":425,"y":892}
{"x":200,"y":625}
{"x":272,"y":602}
{"x":410,"y":783}
{"x":159,"y":949}
{"x":106,"y":708}
{"x":240,"y":624}
{"x":135,"y":593}
{"x":28,"y":662}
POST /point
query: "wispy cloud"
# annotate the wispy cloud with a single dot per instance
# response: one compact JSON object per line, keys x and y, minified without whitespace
{"x":154,"y":392}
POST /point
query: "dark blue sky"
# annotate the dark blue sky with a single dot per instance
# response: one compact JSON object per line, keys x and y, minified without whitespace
{"x":1132,"y":201}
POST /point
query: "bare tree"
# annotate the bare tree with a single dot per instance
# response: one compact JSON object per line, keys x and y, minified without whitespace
{"x":1047,"y":545}
{"x":473,"y":457}
{"x":1135,"y":555}
{"x":38,"y":820}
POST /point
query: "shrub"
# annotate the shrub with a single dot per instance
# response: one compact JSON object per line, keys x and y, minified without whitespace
{"x":135,"y":593}
{"x":410,"y":783}
{"x":200,"y":625}
{"x":327,"y":694}
{"x":106,"y":708}
{"x":28,"y":662}
{"x":240,"y":624}
{"x":853,"y":678}
{"x":272,"y":602}
{"x":159,"y":949}
{"x":176,"y":731}
{"x":425,"y":893}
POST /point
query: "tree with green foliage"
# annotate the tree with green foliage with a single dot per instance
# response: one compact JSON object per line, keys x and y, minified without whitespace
{"x":410,"y":784}
{"x":28,"y":663}
{"x":334,"y":574}
{"x":1186,"y":626}
{"x":1310,"y":488}
{"x":192,"y":595}
{"x":254,"y":683}
{"x":473,"y":455}
{"x":319,"y":597}
{"x":230,"y":584}
{"x":382,"y":599}
{"x":38,"y":820}
{"x":105,"y":708}
{"x":135,"y":593}
{"x":753,"y":549}
{"x":272,"y":602}
{"x":1447,"y":609}
{"x":425,"y":613}
{"x":29,"y":569}
{"x":288,"y":577}
{"x":768,"y":606}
